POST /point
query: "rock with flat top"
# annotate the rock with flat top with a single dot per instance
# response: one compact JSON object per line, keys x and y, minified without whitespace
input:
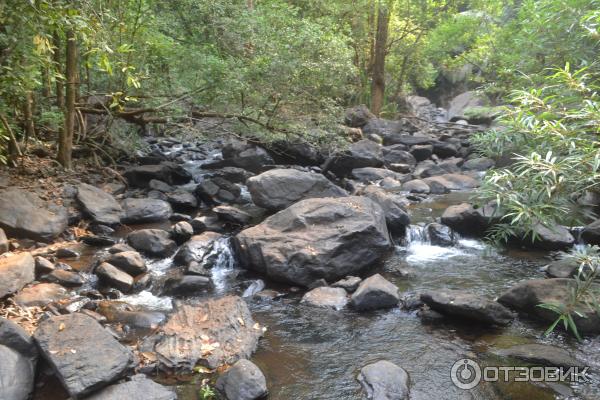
{"x":15,"y":272}
{"x":99,"y":205}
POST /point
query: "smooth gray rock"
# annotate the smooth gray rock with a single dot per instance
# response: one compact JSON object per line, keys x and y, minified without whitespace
{"x":384,"y":380}
{"x":43,"y":266}
{"x":15,"y":272}
{"x":349,"y":283}
{"x":17,"y":374}
{"x":478,"y":164}
{"x":182,"y":231}
{"x":370,"y":174}
{"x":154,"y":242}
{"x":83,"y":366}
{"x":556,"y":237}
{"x":539,"y":354}
{"x":326,"y":297}
{"x":99,"y":205}
{"x":3,"y":242}
{"x":138,"y":388}
{"x":130,"y":262}
{"x":416,"y":186}
{"x":40,"y":295}
{"x":114,"y":277}
{"x":140,"y":211}
{"x":16,"y":338}
{"x":364,"y":153}
{"x":197,"y":249}
{"x":182,"y":200}
{"x":393,"y":207}
{"x":375,"y":292}
{"x":243,"y":381}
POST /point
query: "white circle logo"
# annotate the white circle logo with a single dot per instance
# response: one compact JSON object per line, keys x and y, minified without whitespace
{"x":465,"y":374}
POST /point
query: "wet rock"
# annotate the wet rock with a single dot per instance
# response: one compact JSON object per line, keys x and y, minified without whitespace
{"x":190,"y":335}
{"x":528,"y":295}
{"x":197,"y":248}
{"x":65,"y":252}
{"x":182,"y":232}
{"x":138,"y":388}
{"x":243,"y":155}
{"x":233,"y":215}
{"x":43,"y":266}
{"x":154,"y":242}
{"x":421,"y":152}
{"x":218,"y":190}
{"x":349,"y":283}
{"x":24,"y":215}
{"x":139,"y":211}
{"x":464,"y":305}
{"x":119,"y":248}
{"x":357,"y":117}
{"x":130,"y":262}
{"x":83,"y":366}
{"x":17,"y":374}
{"x":15,"y":337}
{"x":161,"y":186}
{"x":100,"y":206}
{"x":187,"y":285}
{"x":3,"y":242}
{"x":170,"y":173}
{"x":316,"y":238}
{"x":243,"y":381}
{"x":326,"y":297}
{"x":539,"y":355}
{"x":375,"y":292}
{"x":440,"y":235}
{"x":384,"y":380}
{"x":400,"y":168}
{"x":370,"y":174}
{"x":64,"y":278}
{"x":179,"y":217}
{"x":182,"y":200}
{"x":15,"y":272}
{"x":556,"y":237}
{"x":478,"y":164}
{"x":466,"y":219}
{"x":114,"y":277}
{"x":99,"y":241}
{"x":392,"y":205}
{"x":101,"y":230}
{"x":195,"y":268}
{"x":233,"y":174}
{"x":591,"y":233}
{"x":363,"y":153}
{"x":415,"y":186}
{"x":562,"y":269}
{"x":278,"y":188}
{"x":40,"y":295}
{"x":116,"y":312}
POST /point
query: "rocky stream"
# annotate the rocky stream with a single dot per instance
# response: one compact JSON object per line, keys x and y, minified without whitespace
{"x":279,"y":273}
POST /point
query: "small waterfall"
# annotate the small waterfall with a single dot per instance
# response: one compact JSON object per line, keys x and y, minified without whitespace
{"x":254,"y":287}
{"x":417,"y":234}
{"x":223,"y":268}
{"x":148,"y":301}
{"x":420,"y":249}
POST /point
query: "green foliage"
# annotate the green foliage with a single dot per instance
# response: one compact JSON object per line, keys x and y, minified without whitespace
{"x":550,"y":133}
{"x":207,"y":392}
{"x":583,"y":295}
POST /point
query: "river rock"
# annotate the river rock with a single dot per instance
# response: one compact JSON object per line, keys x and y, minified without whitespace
{"x":528,"y":295}
{"x":119,"y":248}
{"x":191,"y":334}
{"x":453,"y":182}
{"x":187,"y":285}
{"x":17,"y":374}
{"x":464,"y":101}
{"x":349,"y":283}
{"x":416,"y":186}
{"x":140,"y":211}
{"x":392,"y":205}
{"x":444,"y":149}
{"x":218,"y":190}
{"x":478,"y":164}
{"x":384,"y":380}
{"x":182,"y":200}
{"x":591,"y":233}
{"x":171,"y":173}
{"x":326,"y":297}
{"x":197,"y":248}
{"x":130,"y":262}
{"x":182,"y":231}
{"x":233,"y":215}
{"x":370,"y":174}
{"x":64,"y":278}
{"x":40,"y":295}
{"x":326,"y":238}
{"x":468,"y":306}
{"x":397,"y":154}
{"x":240,"y":154}
{"x":466,"y":219}
{"x":375,"y":292}
{"x":114,"y":277}
{"x":138,"y":388}
{"x":243,"y":381}
{"x":161,"y":186}
{"x":539,"y":355}
{"x":421,"y":152}
{"x":556,"y":237}
{"x":563,"y":268}
{"x":278,"y":188}
{"x":83,"y":366}
{"x":100,"y":206}
{"x":24,"y":215}
{"x":358,"y":116}
{"x":154,"y":242}
{"x":364,"y":153}
{"x":440,"y":235}
{"x":15,"y":272}
{"x":3,"y":242}
{"x":15,"y":337}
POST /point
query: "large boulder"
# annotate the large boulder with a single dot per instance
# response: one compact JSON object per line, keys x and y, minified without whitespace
{"x":278,"y":188}
{"x":326,"y":238}
{"x":17,"y":374}
{"x":154,"y":242}
{"x":16,"y":272}
{"x":140,"y":211}
{"x":364,"y":153}
{"x":138,"y":388}
{"x":99,"y":205}
{"x":168,"y":172}
{"x":392,"y":205}
{"x":243,"y":381}
{"x":84,"y":355}
{"x":358,"y":116}
{"x":375,"y":292}
{"x":468,"y":306}
{"x":528,"y":295}
{"x":384,"y":380}
{"x":212,"y":333}
{"x":24,"y":215}
{"x":468,"y":220}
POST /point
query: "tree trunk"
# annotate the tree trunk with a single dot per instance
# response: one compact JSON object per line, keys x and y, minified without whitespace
{"x":378,"y":73}
{"x":28,"y":115}
{"x":60,"y":91}
{"x":65,"y":143}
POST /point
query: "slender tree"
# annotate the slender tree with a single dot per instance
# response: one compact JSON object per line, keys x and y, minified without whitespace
{"x":65,"y":143}
{"x":378,"y":72}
